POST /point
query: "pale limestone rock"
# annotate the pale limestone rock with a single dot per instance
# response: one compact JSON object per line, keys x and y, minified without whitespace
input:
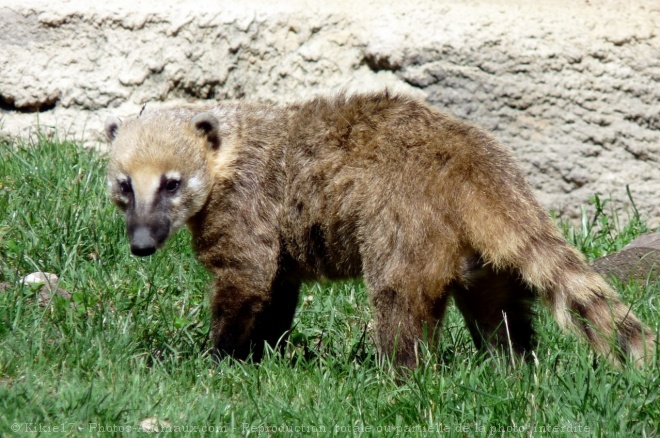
{"x":572,"y":86}
{"x":40,"y":278}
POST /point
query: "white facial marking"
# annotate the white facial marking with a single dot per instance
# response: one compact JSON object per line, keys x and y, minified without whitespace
{"x":173,"y":174}
{"x":195,"y":183}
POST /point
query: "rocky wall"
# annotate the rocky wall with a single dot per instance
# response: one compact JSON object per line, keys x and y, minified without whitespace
{"x":572,"y":86}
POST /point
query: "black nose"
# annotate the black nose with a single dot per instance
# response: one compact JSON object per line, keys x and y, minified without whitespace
{"x":142,"y":243}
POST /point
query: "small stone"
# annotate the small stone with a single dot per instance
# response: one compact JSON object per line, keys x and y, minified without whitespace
{"x":41,"y":278}
{"x":153,"y":425}
{"x":49,"y":289}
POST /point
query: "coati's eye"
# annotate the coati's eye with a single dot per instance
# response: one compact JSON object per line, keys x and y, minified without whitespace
{"x":172,"y":185}
{"x":125,"y":187}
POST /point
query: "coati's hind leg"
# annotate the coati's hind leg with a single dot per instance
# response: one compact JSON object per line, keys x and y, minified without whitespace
{"x":497,"y":308}
{"x":410,"y":257}
{"x":408,"y":297}
{"x":403,"y":319}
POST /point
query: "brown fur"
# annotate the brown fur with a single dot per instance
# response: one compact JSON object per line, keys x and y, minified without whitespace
{"x":422,"y":205}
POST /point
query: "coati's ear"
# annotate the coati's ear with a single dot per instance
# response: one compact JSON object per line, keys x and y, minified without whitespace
{"x":112,"y":125}
{"x":207,"y":124}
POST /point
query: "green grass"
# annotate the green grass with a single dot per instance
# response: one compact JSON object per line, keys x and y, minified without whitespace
{"x":131,"y":344}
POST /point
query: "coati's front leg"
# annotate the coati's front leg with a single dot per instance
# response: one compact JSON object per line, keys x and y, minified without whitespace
{"x":248,"y":313}
{"x":276,"y":319}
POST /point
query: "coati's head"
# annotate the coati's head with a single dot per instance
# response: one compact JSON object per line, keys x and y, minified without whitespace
{"x":158,"y":172}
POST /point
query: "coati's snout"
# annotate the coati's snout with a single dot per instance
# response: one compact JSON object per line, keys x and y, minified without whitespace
{"x":142,"y":244}
{"x":146,"y":238}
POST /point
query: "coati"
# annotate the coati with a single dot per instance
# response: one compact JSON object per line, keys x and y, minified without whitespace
{"x":421,"y":205}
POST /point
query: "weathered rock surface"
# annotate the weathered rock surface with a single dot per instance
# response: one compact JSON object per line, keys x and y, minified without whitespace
{"x":572,"y":86}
